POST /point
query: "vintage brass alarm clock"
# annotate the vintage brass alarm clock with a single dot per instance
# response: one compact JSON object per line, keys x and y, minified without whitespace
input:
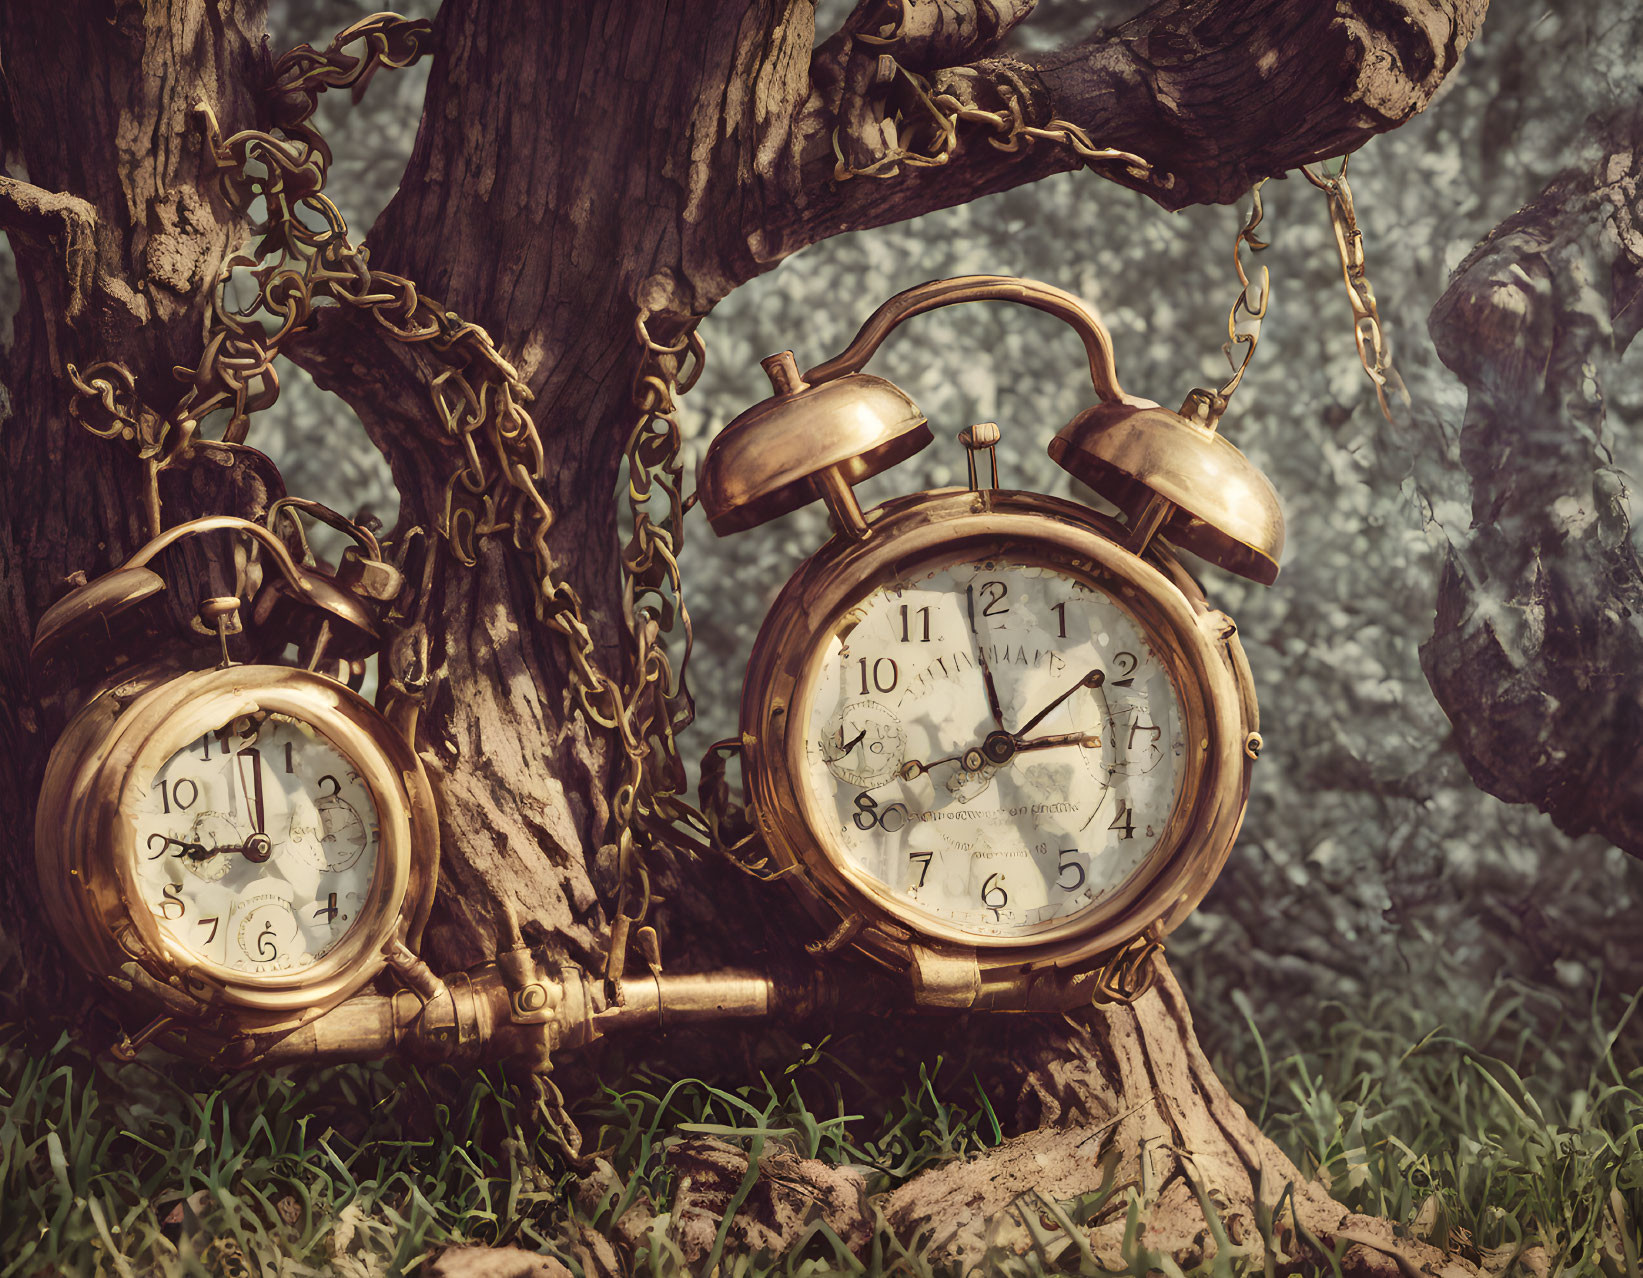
{"x":997,"y":739}
{"x":238,"y":846}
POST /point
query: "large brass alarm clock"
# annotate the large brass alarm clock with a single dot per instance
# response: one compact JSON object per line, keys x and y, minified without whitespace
{"x":240,"y":846}
{"x":994,"y":735}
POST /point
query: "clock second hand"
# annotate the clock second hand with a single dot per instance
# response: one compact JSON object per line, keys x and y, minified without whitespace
{"x":997,"y":750}
{"x":913,"y":769}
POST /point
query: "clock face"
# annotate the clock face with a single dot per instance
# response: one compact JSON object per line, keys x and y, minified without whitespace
{"x":993,"y":744}
{"x":256,"y":846}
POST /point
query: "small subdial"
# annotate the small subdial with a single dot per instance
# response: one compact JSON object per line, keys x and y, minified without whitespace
{"x":863,"y":744}
{"x":267,"y":932}
{"x":337,"y":842}
{"x":216,"y":842}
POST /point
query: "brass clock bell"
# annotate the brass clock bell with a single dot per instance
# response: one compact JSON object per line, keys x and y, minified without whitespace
{"x":999,"y":738}
{"x":235,"y":847}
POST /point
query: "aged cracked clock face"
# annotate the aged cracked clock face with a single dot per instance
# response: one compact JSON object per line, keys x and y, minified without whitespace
{"x":257,"y":845}
{"x":994,"y":745}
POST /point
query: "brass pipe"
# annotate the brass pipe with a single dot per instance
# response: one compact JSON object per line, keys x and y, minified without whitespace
{"x":520,"y":1009}
{"x":458,"y":1024}
{"x":666,"y":1000}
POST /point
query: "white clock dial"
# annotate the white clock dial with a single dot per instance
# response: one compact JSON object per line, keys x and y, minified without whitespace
{"x":998,"y":810}
{"x":257,"y":845}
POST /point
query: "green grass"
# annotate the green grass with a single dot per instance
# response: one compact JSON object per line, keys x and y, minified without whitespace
{"x":154,"y":1168}
{"x":1424,"y":1129}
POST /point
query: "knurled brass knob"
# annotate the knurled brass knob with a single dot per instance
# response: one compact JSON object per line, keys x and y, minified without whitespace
{"x":981,"y":438}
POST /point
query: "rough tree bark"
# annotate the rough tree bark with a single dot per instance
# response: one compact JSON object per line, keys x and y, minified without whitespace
{"x":1536,"y":655}
{"x":573,"y":164}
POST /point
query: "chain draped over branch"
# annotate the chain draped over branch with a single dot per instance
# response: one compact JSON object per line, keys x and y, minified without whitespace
{"x":1212,"y":94}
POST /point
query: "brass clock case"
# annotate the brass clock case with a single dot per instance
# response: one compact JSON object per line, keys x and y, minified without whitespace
{"x":1197,"y":647}
{"x":85,"y":846}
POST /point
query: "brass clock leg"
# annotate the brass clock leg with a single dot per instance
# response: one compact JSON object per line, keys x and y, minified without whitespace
{"x":945,"y":978}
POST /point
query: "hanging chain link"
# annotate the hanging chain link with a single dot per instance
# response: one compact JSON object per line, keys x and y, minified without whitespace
{"x":302,"y":256}
{"x":1374,"y":351}
{"x":1129,"y":971}
{"x":1210,"y":404}
{"x":931,"y":138}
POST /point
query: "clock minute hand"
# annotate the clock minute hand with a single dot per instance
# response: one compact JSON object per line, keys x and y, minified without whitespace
{"x":253,"y":792}
{"x":1094,"y":679}
{"x":258,"y":846}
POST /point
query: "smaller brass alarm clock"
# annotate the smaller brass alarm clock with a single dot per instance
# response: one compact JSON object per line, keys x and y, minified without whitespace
{"x":995,"y":736}
{"x":241,"y":846}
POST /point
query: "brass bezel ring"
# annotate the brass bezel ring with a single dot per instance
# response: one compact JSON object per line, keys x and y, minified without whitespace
{"x":99,"y":837}
{"x":927,"y":530}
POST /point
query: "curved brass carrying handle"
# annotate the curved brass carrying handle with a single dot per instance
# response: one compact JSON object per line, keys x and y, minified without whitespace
{"x":214,"y":523}
{"x":981,"y":288}
{"x":361,"y":536}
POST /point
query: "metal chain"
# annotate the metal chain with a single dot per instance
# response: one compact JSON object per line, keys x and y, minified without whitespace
{"x":943,"y":113}
{"x":731,"y":831}
{"x":1210,"y":404}
{"x":302,"y":256}
{"x":1374,"y":350}
{"x":1128,"y":972}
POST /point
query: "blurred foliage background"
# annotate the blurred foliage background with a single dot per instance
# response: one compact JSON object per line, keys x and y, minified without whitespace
{"x":1372,"y":877}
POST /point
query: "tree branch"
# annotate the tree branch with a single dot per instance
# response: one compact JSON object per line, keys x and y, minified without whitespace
{"x":57,"y":227}
{"x":1213,"y":94}
{"x":1535,"y":655}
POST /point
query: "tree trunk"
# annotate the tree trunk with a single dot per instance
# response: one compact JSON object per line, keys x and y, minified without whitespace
{"x":574,"y":166}
{"x":1536,"y":655}
{"x":118,"y":242}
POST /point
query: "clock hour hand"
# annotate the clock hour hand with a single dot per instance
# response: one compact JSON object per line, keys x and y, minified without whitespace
{"x":1094,"y":679}
{"x":1060,"y":739}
